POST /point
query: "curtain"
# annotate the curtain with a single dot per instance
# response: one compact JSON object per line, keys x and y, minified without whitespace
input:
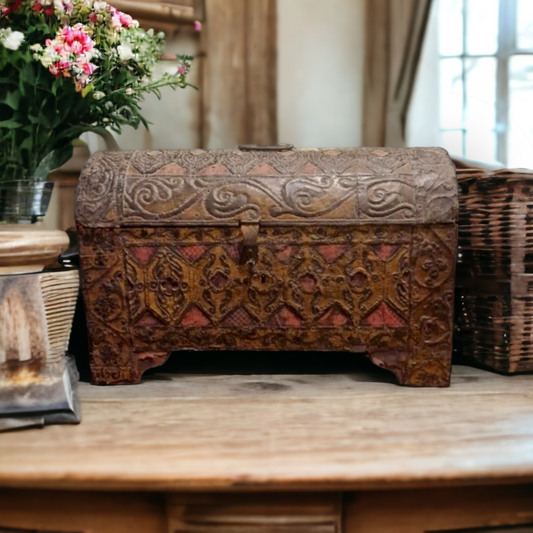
{"x":394,"y":36}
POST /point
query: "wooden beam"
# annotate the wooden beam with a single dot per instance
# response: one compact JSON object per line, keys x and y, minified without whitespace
{"x":177,"y":11}
{"x":239,"y":75}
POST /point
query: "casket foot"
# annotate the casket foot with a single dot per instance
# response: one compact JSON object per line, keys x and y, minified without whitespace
{"x":130,"y":373}
{"x":413,"y":371}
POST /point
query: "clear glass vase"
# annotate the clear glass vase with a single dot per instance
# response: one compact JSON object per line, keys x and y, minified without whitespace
{"x":23,"y":201}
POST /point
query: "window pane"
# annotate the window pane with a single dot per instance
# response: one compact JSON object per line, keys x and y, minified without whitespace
{"x":451,"y":27}
{"x":482,"y":27}
{"x":481,"y":145}
{"x":480,"y":112}
{"x":524,"y":24}
{"x":520,"y":140}
{"x":451,"y":94}
{"x":453,"y":142}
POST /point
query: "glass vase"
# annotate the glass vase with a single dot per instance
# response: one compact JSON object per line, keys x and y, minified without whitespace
{"x":23,"y":201}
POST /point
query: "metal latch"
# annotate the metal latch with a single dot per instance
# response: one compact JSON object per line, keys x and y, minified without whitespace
{"x":250,"y":231}
{"x":259,"y":148}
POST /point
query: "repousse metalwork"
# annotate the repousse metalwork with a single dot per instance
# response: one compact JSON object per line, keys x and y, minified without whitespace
{"x":355,"y":251}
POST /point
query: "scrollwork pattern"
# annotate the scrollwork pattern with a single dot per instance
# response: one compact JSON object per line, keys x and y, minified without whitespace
{"x":174,"y":187}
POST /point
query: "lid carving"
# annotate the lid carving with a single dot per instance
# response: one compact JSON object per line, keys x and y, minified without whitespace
{"x":224,"y":187}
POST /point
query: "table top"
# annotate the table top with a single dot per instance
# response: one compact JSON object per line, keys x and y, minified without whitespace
{"x":283,"y":432}
{"x":29,"y":247}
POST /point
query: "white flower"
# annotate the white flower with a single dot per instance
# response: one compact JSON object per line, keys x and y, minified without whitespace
{"x":129,"y":91}
{"x":125,"y":52}
{"x":99,"y":6}
{"x":12,"y":39}
{"x":49,"y":57}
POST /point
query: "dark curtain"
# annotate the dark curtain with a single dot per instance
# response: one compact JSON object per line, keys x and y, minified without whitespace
{"x":394,"y":36}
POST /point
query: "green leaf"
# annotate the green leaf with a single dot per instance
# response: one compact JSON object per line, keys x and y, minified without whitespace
{"x":57,"y":85}
{"x":88,"y":89}
{"x":12,"y":99}
{"x":26,"y":144}
{"x":7,"y":81}
{"x":10,"y":124}
{"x":53,"y":160}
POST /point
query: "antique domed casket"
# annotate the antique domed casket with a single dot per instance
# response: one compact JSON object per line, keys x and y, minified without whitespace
{"x":267,"y":249}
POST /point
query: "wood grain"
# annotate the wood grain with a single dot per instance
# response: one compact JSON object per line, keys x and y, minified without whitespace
{"x":312,"y":432}
{"x":88,"y":512}
{"x":175,"y":11}
{"x":439,"y":510}
{"x":60,"y":294}
{"x":22,"y":245}
{"x":239,"y":73}
{"x":254,"y":513}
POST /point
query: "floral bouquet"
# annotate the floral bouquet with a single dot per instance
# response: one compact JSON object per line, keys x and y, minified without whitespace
{"x":69,"y":67}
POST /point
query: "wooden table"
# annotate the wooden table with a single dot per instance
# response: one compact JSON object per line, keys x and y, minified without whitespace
{"x":279,"y":453}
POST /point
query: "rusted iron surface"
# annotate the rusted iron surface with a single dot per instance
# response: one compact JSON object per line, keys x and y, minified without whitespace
{"x":329,"y":250}
{"x":360,"y":185}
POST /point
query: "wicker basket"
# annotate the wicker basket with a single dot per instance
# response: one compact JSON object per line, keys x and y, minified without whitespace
{"x":494,"y":296}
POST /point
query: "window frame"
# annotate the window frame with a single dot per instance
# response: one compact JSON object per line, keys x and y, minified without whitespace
{"x":507,"y":48}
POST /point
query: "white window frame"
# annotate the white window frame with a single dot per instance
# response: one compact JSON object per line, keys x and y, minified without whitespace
{"x":507,"y":47}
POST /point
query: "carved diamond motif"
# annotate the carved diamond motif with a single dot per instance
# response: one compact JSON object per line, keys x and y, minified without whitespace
{"x":195,"y":317}
{"x":219,"y":281}
{"x":239,"y":318}
{"x":192,"y":253}
{"x":384,"y":316}
{"x":286,"y":318}
{"x":335,"y":317}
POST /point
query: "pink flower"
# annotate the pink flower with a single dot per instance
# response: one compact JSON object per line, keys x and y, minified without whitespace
{"x":69,"y":55}
{"x":182,"y":70}
{"x":93,"y":17}
{"x":125,"y":19}
{"x":88,"y":68}
{"x":197,"y":25}
{"x":115,"y":22}
{"x":77,"y":40}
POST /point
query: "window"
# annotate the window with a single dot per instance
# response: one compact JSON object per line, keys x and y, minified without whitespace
{"x":486,"y":80}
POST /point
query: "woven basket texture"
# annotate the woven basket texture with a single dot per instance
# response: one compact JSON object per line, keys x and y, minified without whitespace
{"x":494,"y":295}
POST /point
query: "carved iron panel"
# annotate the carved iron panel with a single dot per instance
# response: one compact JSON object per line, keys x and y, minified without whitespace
{"x":384,"y":290}
{"x":362,"y":185}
